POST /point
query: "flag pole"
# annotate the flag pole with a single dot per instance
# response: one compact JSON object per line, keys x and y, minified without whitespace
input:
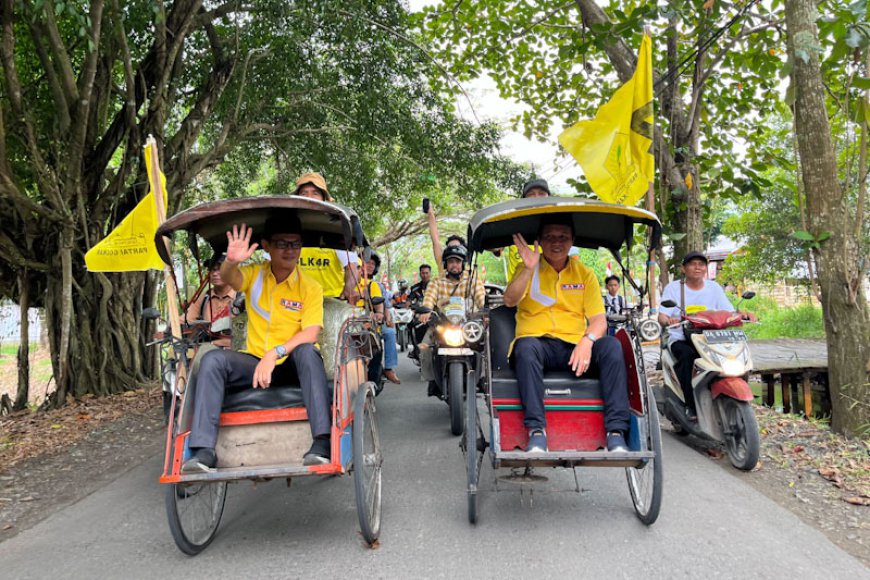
{"x":171,"y":289}
{"x":651,"y":206}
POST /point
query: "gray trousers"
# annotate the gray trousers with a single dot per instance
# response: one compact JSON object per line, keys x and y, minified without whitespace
{"x":223,"y":370}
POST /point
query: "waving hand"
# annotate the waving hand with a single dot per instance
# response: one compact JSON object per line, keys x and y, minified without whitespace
{"x":530,"y":256}
{"x":239,"y":247}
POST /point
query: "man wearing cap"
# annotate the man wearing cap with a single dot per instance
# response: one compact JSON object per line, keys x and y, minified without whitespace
{"x":555,"y":296}
{"x":533,"y":188}
{"x":694,"y":293}
{"x":285,"y":316}
{"x":336,"y":270}
{"x":216,"y":303}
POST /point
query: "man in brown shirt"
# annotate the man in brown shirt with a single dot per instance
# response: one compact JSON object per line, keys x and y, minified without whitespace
{"x":215,"y":303}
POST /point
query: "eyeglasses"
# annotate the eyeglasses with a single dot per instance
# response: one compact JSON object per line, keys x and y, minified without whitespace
{"x":553,"y":239}
{"x":286,"y":245}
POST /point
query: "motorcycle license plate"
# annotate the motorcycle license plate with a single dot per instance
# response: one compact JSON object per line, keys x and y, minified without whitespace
{"x":720,"y":336}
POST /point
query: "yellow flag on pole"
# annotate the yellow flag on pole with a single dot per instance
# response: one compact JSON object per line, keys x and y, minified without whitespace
{"x":130,"y":246}
{"x":615,"y":148}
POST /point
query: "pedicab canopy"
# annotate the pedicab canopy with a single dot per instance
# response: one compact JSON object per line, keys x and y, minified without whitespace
{"x":596,"y":224}
{"x":324,"y":225}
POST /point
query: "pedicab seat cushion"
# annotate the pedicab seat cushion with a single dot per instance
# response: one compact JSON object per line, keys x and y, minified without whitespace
{"x":504,"y":382}
{"x":275,"y":397}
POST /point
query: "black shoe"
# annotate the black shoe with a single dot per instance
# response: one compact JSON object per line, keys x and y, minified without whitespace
{"x":433,"y":390}
{"x":319,"y":454}
{"x":203,"y":460}
{"x":616,"y":441}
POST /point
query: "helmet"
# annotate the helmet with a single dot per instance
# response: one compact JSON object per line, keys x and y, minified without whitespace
{"x":403,"y":283}
{"x":377,"y":260}
{"x":454,"y":252}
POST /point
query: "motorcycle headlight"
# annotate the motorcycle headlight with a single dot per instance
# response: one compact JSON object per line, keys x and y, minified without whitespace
{"x":472,"y":331}
{"x":452,"y":335}
{"x":733,"y":367}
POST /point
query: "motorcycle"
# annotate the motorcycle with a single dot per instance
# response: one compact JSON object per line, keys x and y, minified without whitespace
{"x":403,"y":317}
{"x":459,"y":340}
{"x":719,"y":383}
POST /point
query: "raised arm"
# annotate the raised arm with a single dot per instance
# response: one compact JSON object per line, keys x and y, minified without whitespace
{"x":517,"y":286}
{"x":437,"y":250}
{"x":239,"y":249}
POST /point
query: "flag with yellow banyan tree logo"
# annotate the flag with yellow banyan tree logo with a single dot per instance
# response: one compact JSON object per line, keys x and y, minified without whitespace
{"x":130,"y":246}
{"x":615,"y":148}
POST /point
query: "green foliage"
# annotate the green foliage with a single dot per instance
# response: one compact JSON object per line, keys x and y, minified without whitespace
{"x":804,"y":321}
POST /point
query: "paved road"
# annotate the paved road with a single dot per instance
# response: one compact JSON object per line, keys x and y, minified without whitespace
{"x":712,"y":525}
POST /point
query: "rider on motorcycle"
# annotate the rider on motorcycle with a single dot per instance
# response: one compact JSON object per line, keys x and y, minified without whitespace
{"x":402,"y":297}
{"x":388,"y":327}
{"x":454,"y":283}
{"x":694,"y":293}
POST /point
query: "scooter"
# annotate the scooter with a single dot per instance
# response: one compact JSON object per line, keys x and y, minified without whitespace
{"x":403,"y":318}
{"x":719,"y":382}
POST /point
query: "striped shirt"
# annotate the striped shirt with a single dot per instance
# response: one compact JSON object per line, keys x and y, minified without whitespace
{"x":441,"y":289}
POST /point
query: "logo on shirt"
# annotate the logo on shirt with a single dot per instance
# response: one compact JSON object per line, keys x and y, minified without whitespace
{"x":291,"y":304}
{"x":567,"y":287}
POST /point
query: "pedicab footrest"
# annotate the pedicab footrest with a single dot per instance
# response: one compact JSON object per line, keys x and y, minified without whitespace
{"x":574,"y":458}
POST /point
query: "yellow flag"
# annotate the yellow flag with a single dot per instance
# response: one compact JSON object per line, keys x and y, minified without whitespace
{"x":615,"y":148}
{"x":130,"y":246}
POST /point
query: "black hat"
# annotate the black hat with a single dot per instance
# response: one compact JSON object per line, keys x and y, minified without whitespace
{"x":215,"y":261}
{"x":541,"y":183}
{"x":692,"y":255}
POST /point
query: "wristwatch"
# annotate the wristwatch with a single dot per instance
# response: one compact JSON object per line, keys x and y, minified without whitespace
{"x":591,"y":337}
{"x":282,"y":352}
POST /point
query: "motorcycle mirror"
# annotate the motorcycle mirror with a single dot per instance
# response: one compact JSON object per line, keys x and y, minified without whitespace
{"x":150,"y":313}
{"x":748,"y":295}
{"x":668,"y":303}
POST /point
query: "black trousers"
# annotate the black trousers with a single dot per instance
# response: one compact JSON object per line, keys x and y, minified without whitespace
{"x":223,"y":370}
{"x":685,"y":353}
{"x":532,"y":356}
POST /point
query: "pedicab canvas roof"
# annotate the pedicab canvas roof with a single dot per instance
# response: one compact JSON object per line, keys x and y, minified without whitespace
{"x":596,"y":224}
{"x":324,"y":225}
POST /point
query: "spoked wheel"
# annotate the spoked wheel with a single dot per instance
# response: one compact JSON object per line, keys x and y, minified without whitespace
{"x":741,"y":433}
{"x":473,"y":453}
{"x":367,"y":461}
{"x":645,"y":481}
{"x":455,"y":381}
{"x":194,"y":511}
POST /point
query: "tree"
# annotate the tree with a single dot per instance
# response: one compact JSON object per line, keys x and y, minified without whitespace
{"x":560,"y":58}
{"x":226,"y":87}
{"x":842,"y":268}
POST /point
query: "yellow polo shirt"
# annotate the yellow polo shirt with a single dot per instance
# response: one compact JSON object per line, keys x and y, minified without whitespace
{"x":323,"y":266}
{"x":575,"y":296}
{"x":514,"y":262}
{"x":278,"y":311}
{"x":374,"y":289}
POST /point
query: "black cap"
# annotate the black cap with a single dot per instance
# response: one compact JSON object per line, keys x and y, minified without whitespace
{"x":215,"y":261}
{"x":542,"y":183}
{"x":692,"y":255}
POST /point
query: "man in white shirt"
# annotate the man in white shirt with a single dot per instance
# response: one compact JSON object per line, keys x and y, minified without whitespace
{"x":694,"y":293}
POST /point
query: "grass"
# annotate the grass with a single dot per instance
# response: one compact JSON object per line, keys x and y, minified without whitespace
{"x":804,"y":321}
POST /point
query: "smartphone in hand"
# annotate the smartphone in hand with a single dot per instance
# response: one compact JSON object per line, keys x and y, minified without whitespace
{"x":426,"y":205}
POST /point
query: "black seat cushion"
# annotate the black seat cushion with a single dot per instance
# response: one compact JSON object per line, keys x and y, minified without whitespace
{"x":262,"y":399}
{"x":502,"y":329}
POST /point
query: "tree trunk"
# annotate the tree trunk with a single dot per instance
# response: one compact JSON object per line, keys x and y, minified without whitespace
{"x":845,"y":312}
{"x":23,"y":393}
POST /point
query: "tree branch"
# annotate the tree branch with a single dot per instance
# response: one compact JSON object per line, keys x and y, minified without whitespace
{"x":61,"y":105}
{"x":60,"y":54}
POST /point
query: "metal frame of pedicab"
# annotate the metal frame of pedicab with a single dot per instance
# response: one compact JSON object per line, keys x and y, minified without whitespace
{"x":354,"y":421}
{"x":596,"y":225}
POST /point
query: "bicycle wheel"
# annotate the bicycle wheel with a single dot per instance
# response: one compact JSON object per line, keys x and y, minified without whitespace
{"x":367,"y":462}
{"x":645,"y":481}
{"x":194,"y":511}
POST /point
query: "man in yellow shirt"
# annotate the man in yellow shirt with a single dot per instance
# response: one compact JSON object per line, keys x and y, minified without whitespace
{"x":335,"y":270}
{"x":554,"y":297}
{"x":285,"y":316}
